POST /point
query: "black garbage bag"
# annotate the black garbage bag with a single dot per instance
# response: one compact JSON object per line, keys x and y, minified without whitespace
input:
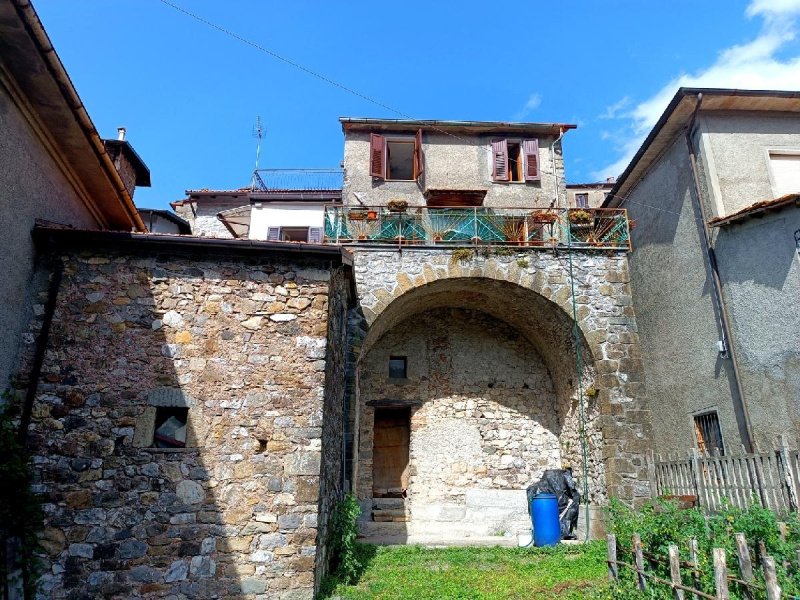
{"x":560,"y":483}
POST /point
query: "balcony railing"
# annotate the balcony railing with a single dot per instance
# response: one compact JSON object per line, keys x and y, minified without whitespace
{"x":267,"y":180}
{"x":601,"y":229}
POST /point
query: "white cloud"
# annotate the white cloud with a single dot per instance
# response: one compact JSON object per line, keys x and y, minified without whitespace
{"x":613,"y":111}
{"x":753,"y":65}
{"x":534,"y":100}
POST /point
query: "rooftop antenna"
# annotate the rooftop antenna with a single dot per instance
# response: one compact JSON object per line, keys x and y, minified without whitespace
{"x":258,"y":133}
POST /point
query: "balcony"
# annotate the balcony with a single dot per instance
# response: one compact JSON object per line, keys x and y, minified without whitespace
{"x":600,"y":229}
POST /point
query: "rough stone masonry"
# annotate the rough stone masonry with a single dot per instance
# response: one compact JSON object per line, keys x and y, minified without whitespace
{"x":242,"y":345}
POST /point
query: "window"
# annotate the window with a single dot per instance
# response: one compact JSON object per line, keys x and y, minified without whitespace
{"x":708,"y":432}
{"x":170,"y":427}
{"x":515,"y":160}
{"x":312,"y":235}
{"x":785,"y":173}
{"x":582,"y":200}
{"x":397,"y":367}
{"x":396,"y":158}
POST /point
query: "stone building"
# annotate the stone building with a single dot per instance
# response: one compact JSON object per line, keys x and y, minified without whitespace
{"x":715,"y":270}
{"x":588,"y":195}
{"x":464,"y":359}
{"x":186,"y":427}
{"x":55,"y":166}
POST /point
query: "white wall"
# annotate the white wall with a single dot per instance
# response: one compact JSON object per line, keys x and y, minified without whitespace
{"x":275,"y":214}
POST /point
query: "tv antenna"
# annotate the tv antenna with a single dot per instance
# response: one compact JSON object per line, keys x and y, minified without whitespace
{"x":258,"y":133}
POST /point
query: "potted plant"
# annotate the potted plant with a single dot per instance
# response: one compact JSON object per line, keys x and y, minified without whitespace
{"x":397,"y":205}
{"x":544,"y":217}
{"x":357,"y":214}
{"x":580,"y":218}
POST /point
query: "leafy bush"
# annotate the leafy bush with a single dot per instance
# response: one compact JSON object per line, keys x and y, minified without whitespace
{"x":662,"y":523}
{"x":21,"y":515}
{"x":344,"y":563}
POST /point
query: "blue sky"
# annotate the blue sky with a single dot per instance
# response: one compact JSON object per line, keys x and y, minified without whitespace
{"x":189,"y":94}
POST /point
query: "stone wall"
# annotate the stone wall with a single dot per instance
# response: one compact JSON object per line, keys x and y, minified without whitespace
{"x":332,"y":488}
{"x":489,"y":418}
{"x":242,"y":344}
{"x":532,"y":291}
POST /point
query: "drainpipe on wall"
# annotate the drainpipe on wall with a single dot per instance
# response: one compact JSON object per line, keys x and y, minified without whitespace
{"x":41,"y":349}
{"x":727,"y":350}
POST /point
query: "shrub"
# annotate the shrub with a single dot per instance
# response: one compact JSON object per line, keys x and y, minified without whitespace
{"x":344,"y":563}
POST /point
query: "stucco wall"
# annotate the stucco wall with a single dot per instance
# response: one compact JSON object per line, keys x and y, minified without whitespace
{"x":760,"y":271}
{"x":737,"y":145}
{"x":275,"y":214}
{"x":242,"y":344}
{"x":674,"y":309}
{"x":31,"y":187}
{"x":462,"y":163}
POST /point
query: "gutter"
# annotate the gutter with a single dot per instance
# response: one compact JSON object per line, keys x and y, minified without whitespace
{"x":47,"y":51}
{"x":728,"y":349}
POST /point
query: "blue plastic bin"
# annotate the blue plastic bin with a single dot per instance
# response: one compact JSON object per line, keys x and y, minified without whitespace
{"x":546,"y":525}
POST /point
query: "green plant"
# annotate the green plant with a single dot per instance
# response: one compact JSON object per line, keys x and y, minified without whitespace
{"x":462,"y":255}
{"x":397,"y":204}
{"x":523,"y":263}
{"x":591,"y":392}
{"x":344,"y":564}
{"x":21,"y":515}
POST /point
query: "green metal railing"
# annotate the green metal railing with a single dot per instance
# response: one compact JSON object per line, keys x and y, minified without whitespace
{"x":604,"y":229}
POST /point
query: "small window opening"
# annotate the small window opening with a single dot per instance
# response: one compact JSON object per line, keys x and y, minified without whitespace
{"x":582,"y":200}
{"x":294,"y":234}
{"x":170,"y":427}
{"x":708,"y":432}
{"x":398,"y":367}
{"x":400,"y":160}
{"x":515,"y":158}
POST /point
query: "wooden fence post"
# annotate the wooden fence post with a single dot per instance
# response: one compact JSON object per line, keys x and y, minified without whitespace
{"x":771,"y":579}
{"x":697,"y":475}
{"x":675,"y":571}
{"x":786,"y":471}
{"x":611,"y":542}
{"x":639,"y":562}
{"x":720,"y":574}
{"x":745,"y":564}
{"x":695,"y":565}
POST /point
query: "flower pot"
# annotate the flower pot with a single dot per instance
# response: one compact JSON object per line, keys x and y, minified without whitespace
{"x":372,"y":215}
{"x":356,"y":216}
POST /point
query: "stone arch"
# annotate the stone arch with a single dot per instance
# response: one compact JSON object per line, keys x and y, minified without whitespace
{"x":532,"y":292}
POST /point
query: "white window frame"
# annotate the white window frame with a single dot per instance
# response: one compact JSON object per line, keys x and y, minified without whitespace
{"x":777,"y":150}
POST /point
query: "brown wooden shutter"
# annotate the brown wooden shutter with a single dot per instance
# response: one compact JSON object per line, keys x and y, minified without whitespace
{"x":377,"y":155}
{"x":273,"y":234}
{"x":500,"y":160}
{"x":531,"y":150}
{"x":315,"y":235}
{"x":418,"y":156}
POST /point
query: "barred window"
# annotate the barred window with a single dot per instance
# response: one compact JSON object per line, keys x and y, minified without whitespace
{"x":708,"y":433}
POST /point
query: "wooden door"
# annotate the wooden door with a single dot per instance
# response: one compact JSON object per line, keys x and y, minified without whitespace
{"x":390,"y":451}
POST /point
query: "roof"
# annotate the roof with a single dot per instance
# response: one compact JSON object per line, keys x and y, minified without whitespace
{"x":758,"y":209}
{"x":237,"y":220}
{"x":591,"y":186}
{"x":183,"y":224}
{"x":61,"y":238}
{"x":367,"y":124}
{"x":44,"y":89}
{"x":679,"y":113}
{"x":141,"y":170}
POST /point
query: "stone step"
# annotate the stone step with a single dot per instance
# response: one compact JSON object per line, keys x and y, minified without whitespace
{"x":388,"y":503}
{"x":390,"y":515}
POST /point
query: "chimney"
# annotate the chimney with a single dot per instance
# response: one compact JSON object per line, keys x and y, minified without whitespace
{"x":608,"y":179}
{"x":121,"y":134}
{"x":130,"y":167}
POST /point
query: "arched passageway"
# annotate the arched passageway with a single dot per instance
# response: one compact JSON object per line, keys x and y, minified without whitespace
{"x":467,"y":391}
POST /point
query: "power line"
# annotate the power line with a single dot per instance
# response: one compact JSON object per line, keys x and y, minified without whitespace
{"x":336,"y":84}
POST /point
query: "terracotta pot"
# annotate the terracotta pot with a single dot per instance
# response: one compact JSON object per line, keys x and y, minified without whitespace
{"x":372,"y":215}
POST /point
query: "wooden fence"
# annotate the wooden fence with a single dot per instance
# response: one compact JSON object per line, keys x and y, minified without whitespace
{"x":744,"y":578}
{"x":767,"y":478}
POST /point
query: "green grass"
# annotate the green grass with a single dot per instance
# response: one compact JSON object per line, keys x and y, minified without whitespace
{"x":416,"y":572}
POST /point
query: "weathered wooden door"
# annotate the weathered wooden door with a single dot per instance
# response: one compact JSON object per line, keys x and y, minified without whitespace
{"x":390,"y":451}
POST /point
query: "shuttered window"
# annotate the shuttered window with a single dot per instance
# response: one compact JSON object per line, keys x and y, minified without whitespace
{"x":396,"y":159}
{"x":785,"y":173}
{"x":515,"y":160}
{"x":315,"y":235}
{"x":273,"y":234}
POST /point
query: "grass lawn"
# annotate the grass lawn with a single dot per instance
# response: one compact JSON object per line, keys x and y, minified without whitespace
{"x":417,"y":572}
